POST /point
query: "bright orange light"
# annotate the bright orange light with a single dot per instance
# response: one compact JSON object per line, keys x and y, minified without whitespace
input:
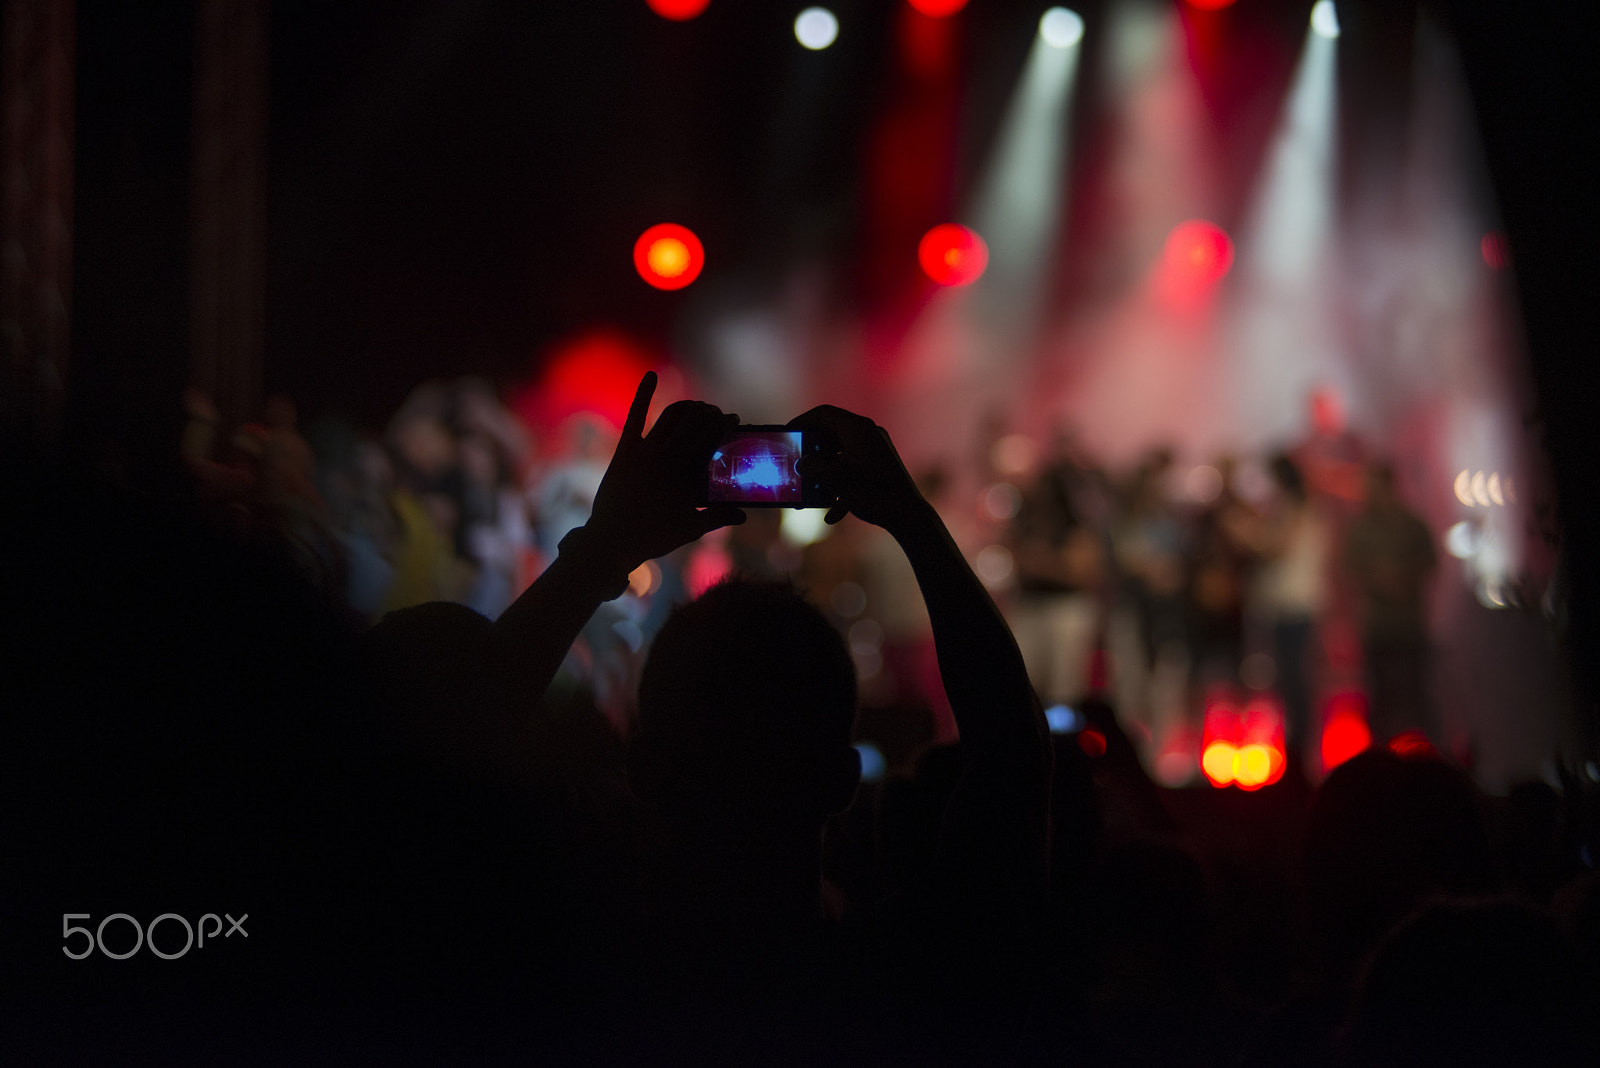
{"x":1252,"y":766}
{"x":1346,"y":732}
{"x":1199,"y":251}
{"x":1218,"y":762}
{"x":952,"y":255}
{"x":677,"y":10}
{"x":644,"y":579}
{"x":668,"y":256}
{"x":1242,"y":746}
{"x":938,"y":8}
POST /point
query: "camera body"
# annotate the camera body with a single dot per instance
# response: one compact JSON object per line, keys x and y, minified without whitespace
{"x":763,"y":466}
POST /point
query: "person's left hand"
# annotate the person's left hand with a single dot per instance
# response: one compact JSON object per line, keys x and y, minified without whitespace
{"x":647,"y":503}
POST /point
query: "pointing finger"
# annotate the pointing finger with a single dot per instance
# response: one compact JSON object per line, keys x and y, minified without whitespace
{"x":633,"y":426}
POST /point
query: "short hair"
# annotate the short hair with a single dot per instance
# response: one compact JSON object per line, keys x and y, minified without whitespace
{"x":748,"y":689}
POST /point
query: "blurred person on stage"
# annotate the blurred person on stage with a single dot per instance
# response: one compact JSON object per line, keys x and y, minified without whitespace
{"x":1389,"y":555}
{"x":1214,"y":586}
{"x":1288,"y":591}
{"x":1060,"y":564}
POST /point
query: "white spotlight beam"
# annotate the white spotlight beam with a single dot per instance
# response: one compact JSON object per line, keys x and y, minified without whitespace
{"x":1285,"y":340}
{"x":1288,"y":229}
{"x":1020,"y":195}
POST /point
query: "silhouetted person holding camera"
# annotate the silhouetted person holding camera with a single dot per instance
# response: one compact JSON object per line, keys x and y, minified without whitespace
{"x":743,"y":750}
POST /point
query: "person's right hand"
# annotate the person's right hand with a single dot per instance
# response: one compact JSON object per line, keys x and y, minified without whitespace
{"x":647,"y":502}
{"x":861,"y":465}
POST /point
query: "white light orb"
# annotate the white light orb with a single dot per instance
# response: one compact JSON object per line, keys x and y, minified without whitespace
{"x":1324,"y":19}
{"x":994,"y":565}
{"x":816,"y":28}
{"x":1061,"y":28}
{"x":1461,"y":540}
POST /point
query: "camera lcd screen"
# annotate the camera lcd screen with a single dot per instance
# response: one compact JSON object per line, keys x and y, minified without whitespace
{"x":757,"y":467}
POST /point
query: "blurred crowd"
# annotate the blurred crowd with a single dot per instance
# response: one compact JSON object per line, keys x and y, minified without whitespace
{"x":1299,"y":574}
{"x":435,"y":874}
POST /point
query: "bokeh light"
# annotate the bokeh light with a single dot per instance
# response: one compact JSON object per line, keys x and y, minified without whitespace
{"x":1093,"y":743}
{"x":1210,"y":5}
{"x":594,"y":373}
{"x":668,"y":256}
{"x":1258,"y":670}
{"x":952,"y":255}
{"x":1001,"y":500}
{"x":866,"y":636}
{"x":1495,"y":250}
{"x":644,"y":579}
{"x":1174,"y":768}
{"x":677,"y":10}
{"x":1061,"y":27}
{"x":1345,"y":732}
{"x":1252,"y":766}
{"x":938,"y":8}
{"x":800,"y":527}
{"x":1461,"y":540}
{"x":1217,"y":763}
{"x":1242,"y":747}
{"x":1014,"y":454}
{"x":994,"y":565}
{"x":873,"y":764}
{"x":1198,"y":251}
{"x":816,"y":28}
{"x":1063,"y":719}
{"x":848,"y":599}
{"x":1324,"y":19}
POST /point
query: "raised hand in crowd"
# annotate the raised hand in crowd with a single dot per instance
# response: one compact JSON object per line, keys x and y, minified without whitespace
{"x":646,"y":506}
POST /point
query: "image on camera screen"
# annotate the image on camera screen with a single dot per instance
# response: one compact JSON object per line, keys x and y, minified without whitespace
{"x":757,"y":468}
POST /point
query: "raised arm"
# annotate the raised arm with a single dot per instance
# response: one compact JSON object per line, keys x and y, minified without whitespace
{"x":645,"y":508}
{"x":994,"y":839}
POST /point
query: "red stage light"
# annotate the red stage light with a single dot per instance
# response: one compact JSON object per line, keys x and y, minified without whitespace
{"x":1242,"y":747}
{"x":677,"y":10}
{"x":1199,"y":252}
{"x":1210,"y":5}
{"x":1093,"y":743}
{"x":938,"y":8}
{"x":668,"y":256}
{"x":1345,"y":733}
{"x":594,"y":373}
{"x":1496,"y":252}
{"x":952,"y":255}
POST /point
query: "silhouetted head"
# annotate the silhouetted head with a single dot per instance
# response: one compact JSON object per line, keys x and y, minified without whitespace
{"x":746,"y":705}
{"x":1488,"y":983}
{"x":1385,"y":835}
